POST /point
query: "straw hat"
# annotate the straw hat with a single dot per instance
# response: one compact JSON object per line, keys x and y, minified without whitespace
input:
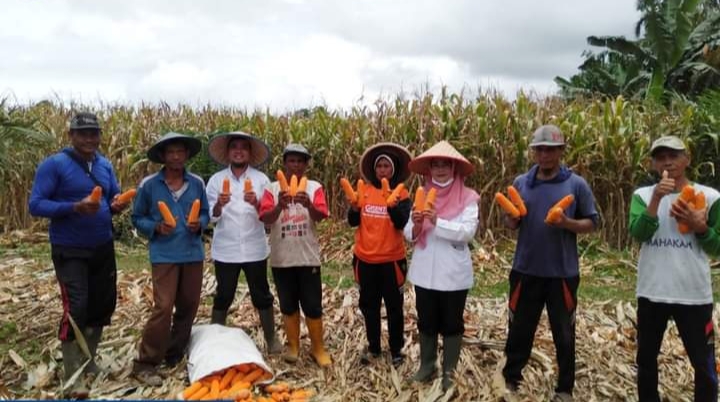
{"x":443,"y":149}
{"x":218,"y":148}
{"x":155,"y":152}
{"x":399,"y":153}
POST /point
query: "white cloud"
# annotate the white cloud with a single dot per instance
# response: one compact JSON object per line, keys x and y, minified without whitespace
{"x":292,"y":53}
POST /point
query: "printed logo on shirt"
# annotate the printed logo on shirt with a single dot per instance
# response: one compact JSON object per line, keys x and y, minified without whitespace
{"x":294,"y":230}
{"x":375,"y":210}
{"x":670,"y":243}
{"x":289,"y":216}
{"x":293,"y":223}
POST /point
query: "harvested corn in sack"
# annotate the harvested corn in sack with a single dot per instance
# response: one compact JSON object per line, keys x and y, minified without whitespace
{"x":215,"y":349}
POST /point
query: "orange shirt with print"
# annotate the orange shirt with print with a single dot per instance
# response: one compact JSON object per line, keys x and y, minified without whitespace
{"x":376,"y":239}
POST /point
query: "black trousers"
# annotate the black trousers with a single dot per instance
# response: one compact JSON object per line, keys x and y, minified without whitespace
{"x":695,"y":325}
{"x":528,"y":296}
{"x":88,"y":286}
{"x":299,"y":287}
{"x":227,"y":275}
{"x":440,"y":312}
{"x":378,"y":283}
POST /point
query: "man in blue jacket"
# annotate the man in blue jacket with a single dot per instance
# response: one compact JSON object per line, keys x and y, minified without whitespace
{"x":81,"y":240}
{"x":176,"y":253}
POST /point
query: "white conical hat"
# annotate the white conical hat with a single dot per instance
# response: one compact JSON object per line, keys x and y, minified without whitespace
{"x":443,"y":150}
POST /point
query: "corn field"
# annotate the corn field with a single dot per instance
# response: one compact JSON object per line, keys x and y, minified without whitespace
{"x":608,"y":143}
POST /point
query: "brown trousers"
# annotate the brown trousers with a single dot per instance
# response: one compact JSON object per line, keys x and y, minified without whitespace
{"x":167,"y":333}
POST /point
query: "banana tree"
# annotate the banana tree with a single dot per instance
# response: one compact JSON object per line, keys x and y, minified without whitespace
{"x":607,"y":73}
{"x":675,"y":39}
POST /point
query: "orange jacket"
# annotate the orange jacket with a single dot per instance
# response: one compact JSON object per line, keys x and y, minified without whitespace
{"x":376,"y":239}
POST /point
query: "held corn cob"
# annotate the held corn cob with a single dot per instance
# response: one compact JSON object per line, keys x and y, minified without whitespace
{"x":96,"y":194}
{"x":555,"y":213}
{"x":385,"y":186}
{"x":419,"y":199}
{"x":302,"y":185}
{"x":167,"y":216}
{"x":127,"y":196}
{"x":517,"y":200}
{"x":350,"y":194}
{"x":394,"y":196}
{"x":360,"y":191}
{"x":293,"y":185}
{"x":194,"y":214}
{"x":687,"y":194}
{"x":507,"y":205}
{"x":282,"y":180}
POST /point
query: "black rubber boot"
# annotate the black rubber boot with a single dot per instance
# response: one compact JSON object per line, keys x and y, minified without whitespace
{"x":451,"y":355}
{"x":428,"y":358}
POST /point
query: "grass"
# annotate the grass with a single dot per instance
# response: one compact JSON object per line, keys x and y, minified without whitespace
{"x":133,"y":257}
{"x":8,"y":332}
{"x":606,"y":274}
{"x":35,"y":251}
{"x":11,"y":338}
{"x":599,"y":285}
{"x":337,"y":274}
{"x":604,"y":282}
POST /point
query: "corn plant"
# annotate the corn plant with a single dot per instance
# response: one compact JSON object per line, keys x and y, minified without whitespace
{"x":607,"y":141}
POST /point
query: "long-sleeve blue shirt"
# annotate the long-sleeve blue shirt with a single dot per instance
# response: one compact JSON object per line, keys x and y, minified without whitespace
{"x":59,"y":183}
{"x":181,"y":245}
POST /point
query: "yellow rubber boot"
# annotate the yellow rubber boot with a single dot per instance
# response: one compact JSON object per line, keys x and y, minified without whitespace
{"x":315,"y":328}
{"x":292,"y":332}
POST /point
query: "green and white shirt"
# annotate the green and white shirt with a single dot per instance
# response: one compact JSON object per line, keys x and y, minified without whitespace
{"x":674,"y":267}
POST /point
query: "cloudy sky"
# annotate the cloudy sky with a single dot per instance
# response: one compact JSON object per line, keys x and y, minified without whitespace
{"x":287,"y":54}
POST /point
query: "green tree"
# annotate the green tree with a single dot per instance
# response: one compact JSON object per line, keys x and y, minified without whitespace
{"x":20,"y":143}
{"x":674,"y":52}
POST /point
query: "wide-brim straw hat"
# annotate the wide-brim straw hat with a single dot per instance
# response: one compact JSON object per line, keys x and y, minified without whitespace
{"x":218,"y":148}
{"x":155,"y":152}
{"x":441,"y":150}
{"x":399,"y":153}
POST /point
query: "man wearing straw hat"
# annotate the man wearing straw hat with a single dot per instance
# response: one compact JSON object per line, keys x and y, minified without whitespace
{"x":176,"y":253}
{"x":545,"y":271}
{"x":295,"y":253}
{"x":239,"y":242}
{"x":81,"y":239}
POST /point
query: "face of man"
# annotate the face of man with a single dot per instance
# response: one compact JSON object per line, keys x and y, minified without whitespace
{"x":548,"y":157}
{"x":673,"y":161}
{"x":85,"y":141}
{"x":441,"y":170}
{"x":295,"y":164}
{"x":239,"y":152}
{"x":175,"y":155}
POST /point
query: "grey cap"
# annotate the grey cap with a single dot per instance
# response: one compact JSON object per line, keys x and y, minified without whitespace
{"x":547,"y":135}
{"x":668,"y":141}
{"x":155,"y":152}
{"x":84,"y":121}
{"x":296,"y":149}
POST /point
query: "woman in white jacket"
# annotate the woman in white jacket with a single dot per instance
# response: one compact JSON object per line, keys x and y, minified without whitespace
{"x":441,"y":268}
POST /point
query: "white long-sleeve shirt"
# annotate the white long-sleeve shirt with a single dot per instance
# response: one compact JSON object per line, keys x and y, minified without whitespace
{"x":445,"y":263}
{"x":239,"y":235}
